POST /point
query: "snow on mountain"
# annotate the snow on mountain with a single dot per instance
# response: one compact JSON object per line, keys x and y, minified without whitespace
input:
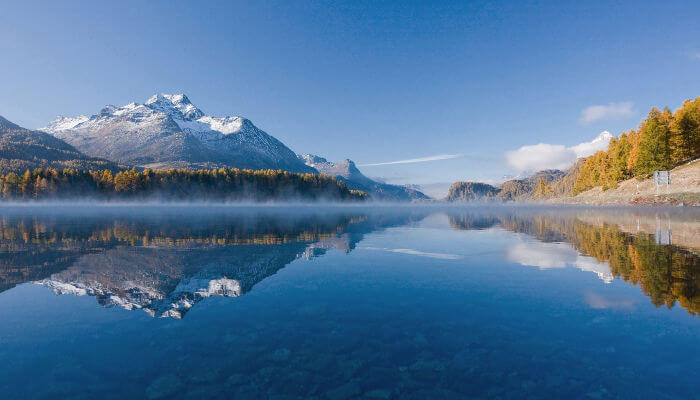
{"x":165,"y":284}
{"x":62,"y":123}
{"x":169,"y":131}
{"x":136,"y":296}
{"x":348,"y":172}
{"x":589,"y":148}
{"x":345,"y":169}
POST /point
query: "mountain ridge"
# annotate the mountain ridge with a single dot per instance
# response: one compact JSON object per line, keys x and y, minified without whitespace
{"x":168,"y":131}
{"x":347,"y":172}
{"x":22,"y":149}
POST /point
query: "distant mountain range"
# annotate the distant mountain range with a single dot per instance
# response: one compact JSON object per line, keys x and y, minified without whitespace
{"x":512,"y":190}
{"x":22,"y":149}
{"x":347,"y":172}
{"x":168,"y":131}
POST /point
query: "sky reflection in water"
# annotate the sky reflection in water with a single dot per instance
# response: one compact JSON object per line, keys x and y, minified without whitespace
{"x":347,"y":303}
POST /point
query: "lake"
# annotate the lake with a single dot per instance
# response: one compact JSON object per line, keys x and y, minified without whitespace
{"x":323,"y":302}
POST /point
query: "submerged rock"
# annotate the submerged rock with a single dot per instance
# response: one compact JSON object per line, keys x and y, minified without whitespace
{"x":378,"y":394}
{"x":281,"y":354}
{"x":344,"y":392}
{"x":163,"y":386}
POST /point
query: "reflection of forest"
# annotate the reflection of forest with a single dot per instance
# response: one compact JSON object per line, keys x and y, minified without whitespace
{"x":680,"y":229}
{"x":666,"y":273}
{"x":34,"y":247}
{"x":164,"y":264}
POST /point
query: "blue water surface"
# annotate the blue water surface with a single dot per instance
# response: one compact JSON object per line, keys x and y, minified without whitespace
{"x":347,"y":303}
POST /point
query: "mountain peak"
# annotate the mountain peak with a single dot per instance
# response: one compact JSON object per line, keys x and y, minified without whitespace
{"x":311,"y":159}
{"x":179,"y":98}
{"x":169,"y":131}
{"x":175,"y":105}
{"x":349,"y":166}
{"x":603,"y":136}
{"x":586,"y":149}
{"x":348,"y":172}
{"x":63,"y":123}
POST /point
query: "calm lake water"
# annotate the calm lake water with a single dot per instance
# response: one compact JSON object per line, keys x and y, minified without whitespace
{"x":349,"y":303}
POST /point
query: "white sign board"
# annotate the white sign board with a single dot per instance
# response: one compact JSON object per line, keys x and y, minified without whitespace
{"x":662,"y":178}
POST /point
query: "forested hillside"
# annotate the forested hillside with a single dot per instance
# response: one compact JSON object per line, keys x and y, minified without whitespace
{"x":22,"y":149}
{"x":180,"y":184}
{"x":532,"y":187}
{"x":470,"y":191}
{"x":662,"y":141}
{"x":36,"y":165}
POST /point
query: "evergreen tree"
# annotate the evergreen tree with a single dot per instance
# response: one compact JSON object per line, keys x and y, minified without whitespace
{"x":217,"y":185}
{"x":685,"y":132}
{"x":542,"y":189}
{"x":654,"y":146}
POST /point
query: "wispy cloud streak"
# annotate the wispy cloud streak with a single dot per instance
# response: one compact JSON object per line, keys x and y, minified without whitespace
{"x":436,"y":157}
{"x":440,"y":256}
{"x":610,"y":111}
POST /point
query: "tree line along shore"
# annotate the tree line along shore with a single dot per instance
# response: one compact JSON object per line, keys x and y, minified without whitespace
{"x":174,"y":184}
{"x":663,"y":140}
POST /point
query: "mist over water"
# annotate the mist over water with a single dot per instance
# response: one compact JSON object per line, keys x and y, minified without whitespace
{"x":155,"y":300}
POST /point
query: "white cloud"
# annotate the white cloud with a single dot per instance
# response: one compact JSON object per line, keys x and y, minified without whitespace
{"x":554,"y":156}
{"x":415,"y":160}
{"x":540,"y":156}
{"x":541,"y":255}
{"x":611,"y":111}
{"x":555,"y":255}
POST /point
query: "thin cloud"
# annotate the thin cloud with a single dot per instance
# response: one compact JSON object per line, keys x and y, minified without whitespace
{"x":439,"y":256}
{"x":598,"y":301}
{"x":436,"y":157}
{"x":611,"y":111}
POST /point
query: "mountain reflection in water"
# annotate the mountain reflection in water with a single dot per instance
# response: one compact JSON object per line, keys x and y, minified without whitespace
{"x":165,"y":261}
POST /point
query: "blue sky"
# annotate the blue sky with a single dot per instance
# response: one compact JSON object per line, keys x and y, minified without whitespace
{"x":371,"y":81}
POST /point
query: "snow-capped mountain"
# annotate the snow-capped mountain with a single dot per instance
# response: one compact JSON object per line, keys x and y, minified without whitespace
{"x":589,"y":148}
{"x":168,"y":131}
{"x":347,"y":172}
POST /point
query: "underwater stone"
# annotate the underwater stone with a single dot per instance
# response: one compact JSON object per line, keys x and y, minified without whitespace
{"x":344,"y":392}
{"x":163,"y":386}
